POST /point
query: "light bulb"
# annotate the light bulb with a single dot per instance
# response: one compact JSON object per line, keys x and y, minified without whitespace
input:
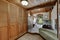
{"x":25,"y":3}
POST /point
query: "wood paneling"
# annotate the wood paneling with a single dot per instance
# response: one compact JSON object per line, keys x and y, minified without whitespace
{"x":22,"y":20}
{"x":16,"y":16}
{"x":13,"y":28}
{"x":3,"y":21}
{"x":13,"y":21}
{"x":25,"y":20}
{"x":25,"y":27}
{"x":13,"y":31}
{"x":3,"y":33}
{"x":3,"y":13}
{"x":13,"y":14}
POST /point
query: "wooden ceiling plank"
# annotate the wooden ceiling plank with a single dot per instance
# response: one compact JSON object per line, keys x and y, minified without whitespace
{"x":48,"y":4}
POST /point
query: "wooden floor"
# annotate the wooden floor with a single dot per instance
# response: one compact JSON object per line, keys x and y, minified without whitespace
{"x":30,"y":37}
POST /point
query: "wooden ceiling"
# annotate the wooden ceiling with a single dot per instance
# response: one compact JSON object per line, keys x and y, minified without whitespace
{"x":48,"y":4}
{"x":36,"y":6}
{"x":39,"y":10}
{"x":33,"y":3}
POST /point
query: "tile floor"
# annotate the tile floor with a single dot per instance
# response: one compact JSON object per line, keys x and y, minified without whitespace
{"x":30,"y":37}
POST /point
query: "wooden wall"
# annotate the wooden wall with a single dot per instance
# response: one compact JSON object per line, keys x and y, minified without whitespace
{"x":13,"y":21}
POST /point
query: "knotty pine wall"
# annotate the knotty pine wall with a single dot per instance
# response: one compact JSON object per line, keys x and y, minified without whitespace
{"x":13,"y":21}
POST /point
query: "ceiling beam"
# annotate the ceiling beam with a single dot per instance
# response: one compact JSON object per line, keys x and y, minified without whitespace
{"x":41,"y":10}
{"x":48,"y":4}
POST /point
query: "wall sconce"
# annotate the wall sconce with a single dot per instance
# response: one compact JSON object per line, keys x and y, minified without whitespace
{"x":24,"y":2}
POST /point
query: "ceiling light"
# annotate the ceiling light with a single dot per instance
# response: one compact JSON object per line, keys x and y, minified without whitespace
{"x":24,"y":2}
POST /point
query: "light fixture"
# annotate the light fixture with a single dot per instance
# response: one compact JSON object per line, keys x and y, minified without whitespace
{"x":24,"y":2}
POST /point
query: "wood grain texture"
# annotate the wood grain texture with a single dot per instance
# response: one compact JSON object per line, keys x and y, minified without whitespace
{"x":3,"y":33}
{"x":16,"y":18}
{"x":3,"y":13}
{"x":12,"y":22}
{"x":3,"y":20}
{"x":13,"y":31}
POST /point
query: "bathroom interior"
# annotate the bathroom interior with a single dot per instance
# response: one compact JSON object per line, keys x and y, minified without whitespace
{"x":43,"y":18}
{"x":29,"y":20}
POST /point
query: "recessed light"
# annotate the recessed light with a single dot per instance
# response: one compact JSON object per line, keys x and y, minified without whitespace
{"x":25,"y":3}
